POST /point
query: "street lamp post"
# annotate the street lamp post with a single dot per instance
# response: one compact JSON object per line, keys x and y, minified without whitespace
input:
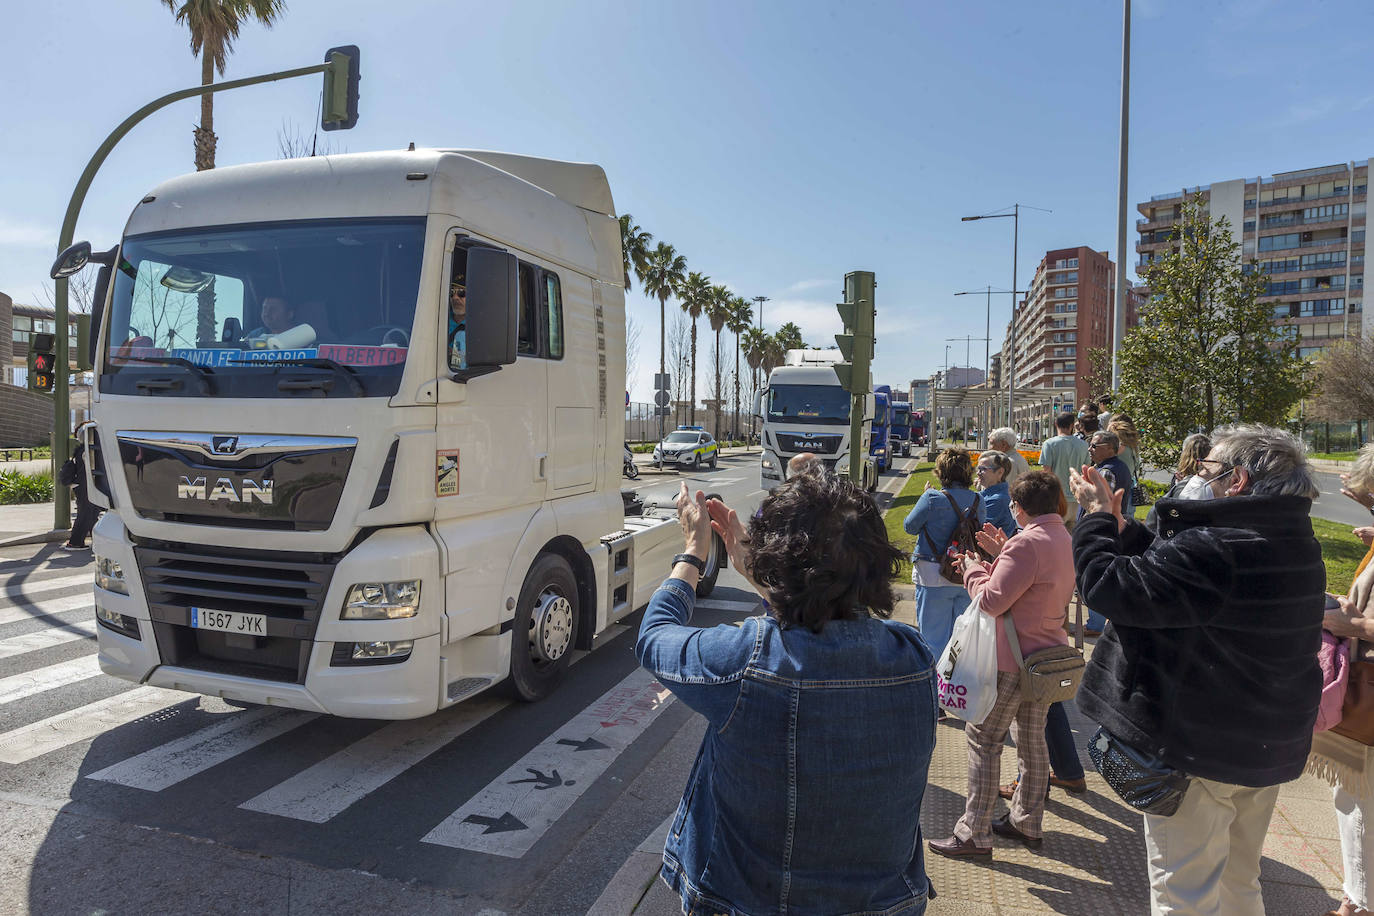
{"x":1119,"y":304}
{"x":1010,"y":357}
{"x":760,"y":300}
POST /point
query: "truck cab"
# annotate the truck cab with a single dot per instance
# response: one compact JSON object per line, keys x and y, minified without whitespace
{"x":899,"y":434}
{"x":357,"y":424}
{"x":880,"y":446}
{"x":804,"y":409}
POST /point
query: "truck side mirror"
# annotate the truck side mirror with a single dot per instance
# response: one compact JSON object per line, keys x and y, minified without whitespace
{"x":758,"y":404}
{"x":493,"y":312}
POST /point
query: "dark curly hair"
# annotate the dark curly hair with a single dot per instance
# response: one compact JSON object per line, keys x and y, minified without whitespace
{"x":819,"y":546}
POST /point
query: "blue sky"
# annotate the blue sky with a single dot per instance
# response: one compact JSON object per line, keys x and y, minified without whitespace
{"x":776,"y":144}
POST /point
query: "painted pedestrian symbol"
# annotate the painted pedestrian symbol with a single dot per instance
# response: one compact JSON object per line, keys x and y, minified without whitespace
{"x":552,"y":781}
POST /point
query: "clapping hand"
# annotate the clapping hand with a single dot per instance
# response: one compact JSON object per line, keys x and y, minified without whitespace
{"x":1093,"y":493}
{"x":695,"y":521}
{"x":969,"y":562}
{"x":991,"y":539}
{"x":1365,"y":534}
{"x":1364,"y":498}
{"x":726,"y":523}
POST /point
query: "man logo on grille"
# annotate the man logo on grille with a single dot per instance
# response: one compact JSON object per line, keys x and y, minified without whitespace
{"x":225,"y":445}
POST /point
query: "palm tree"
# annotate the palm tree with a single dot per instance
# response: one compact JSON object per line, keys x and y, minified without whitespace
{"x":719,"y":306}
{"x":755,"y":346}
{"x":740,"y":320}
{"x":634,"y":248}
{"x":789,"y":338}
{"x":774,"y":351}
{"x":695,"y":293}
{"x":214,"y":26}
{"x":662,"y":277}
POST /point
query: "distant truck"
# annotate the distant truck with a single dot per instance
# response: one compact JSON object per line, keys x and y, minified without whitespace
{"x":880,"y":446}
{"x":920,"y":428}
{"x":804,"y":409}
{"x":899,"y":432}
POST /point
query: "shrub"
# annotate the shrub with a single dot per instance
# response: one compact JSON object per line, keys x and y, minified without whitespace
{"x":16,"y":488}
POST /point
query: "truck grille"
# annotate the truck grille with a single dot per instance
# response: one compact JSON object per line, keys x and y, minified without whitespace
{"x":824,"y":444}
{"x":288,"y":589}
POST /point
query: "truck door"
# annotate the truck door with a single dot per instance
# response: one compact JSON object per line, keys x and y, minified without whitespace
{"x":576,"y":379}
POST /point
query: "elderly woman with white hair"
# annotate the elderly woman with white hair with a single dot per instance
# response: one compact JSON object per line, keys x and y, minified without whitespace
{"x":1359,"y":486}
{"x":1003,"y":439}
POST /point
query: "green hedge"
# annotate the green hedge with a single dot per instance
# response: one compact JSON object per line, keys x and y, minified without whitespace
{"x":17,"y":488}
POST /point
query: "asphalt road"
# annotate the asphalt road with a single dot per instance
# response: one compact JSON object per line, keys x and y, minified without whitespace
{"x":116,"y":798}
{"x":1330,"y":505}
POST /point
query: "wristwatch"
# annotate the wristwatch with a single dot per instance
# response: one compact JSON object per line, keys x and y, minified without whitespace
{"x":698,"y":562}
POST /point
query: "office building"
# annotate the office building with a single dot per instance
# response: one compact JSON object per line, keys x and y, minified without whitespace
{"x":1067,"y":312}
{"x":1306,"y":229}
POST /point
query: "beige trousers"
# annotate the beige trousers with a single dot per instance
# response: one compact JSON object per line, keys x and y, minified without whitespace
{"x":1205,"y":859}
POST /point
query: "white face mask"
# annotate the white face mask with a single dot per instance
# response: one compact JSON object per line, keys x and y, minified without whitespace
{"x":1197,"y":488}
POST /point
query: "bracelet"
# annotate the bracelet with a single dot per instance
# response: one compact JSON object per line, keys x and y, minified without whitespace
{"x":698,"y":562}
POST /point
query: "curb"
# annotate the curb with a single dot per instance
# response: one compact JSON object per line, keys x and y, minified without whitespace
{"x":39,"y":538}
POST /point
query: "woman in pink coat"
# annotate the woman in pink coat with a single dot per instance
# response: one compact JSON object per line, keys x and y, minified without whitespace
{"x":1032,"y":580}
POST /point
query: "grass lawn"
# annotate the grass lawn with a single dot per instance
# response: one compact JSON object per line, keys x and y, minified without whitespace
{"x":1341,"y":550}
{"x":1333,"y":456}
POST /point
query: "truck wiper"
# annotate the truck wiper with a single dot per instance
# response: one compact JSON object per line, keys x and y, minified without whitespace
{"x":204,"y":375}
{"x":348,"y":373}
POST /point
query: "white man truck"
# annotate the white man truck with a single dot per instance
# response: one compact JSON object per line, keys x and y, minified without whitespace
{"x":804,"y":409}
{"x":397,"y":485}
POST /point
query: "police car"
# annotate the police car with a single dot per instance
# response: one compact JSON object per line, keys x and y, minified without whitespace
{"x":687,"y":446}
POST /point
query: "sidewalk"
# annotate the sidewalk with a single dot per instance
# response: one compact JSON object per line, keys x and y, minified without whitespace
{"x":1093,"y":861}
{"x":28,"y":524}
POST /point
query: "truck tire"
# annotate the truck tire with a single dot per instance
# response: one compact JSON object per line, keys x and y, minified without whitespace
{"x":545,"y":628}
{"x":714,"y":563}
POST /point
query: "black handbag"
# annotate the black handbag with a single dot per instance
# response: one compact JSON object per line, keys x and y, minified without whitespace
{"x":1143,"y":781}
{"x":68,"y":473}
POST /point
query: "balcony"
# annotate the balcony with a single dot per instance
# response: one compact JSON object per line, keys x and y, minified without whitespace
{"x":1158,"y":221}
{"x":1183,"y":193}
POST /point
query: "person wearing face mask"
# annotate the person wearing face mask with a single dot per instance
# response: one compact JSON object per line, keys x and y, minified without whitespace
{"x":1210,"y":664}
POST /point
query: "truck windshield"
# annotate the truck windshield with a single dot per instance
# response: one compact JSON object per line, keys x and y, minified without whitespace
{"x":332,"y":301}
{"x":901,"y":417}
{"x":824,"y":404}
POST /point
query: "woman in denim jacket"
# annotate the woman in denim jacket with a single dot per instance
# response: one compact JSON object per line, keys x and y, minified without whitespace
{"x":938,"y":600}
{"x":806,"y":793}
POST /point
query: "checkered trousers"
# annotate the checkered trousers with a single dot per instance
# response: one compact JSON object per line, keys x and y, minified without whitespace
{"x":1026,"y":721}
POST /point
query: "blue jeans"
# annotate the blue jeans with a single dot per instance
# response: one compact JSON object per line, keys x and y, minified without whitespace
{"x":936,"y":610}
{"x":1064,"y":761}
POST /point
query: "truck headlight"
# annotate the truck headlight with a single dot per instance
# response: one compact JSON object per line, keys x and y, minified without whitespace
{"x":109,"y":576}
{"x":768,"y":464}
{"x":382,"y":600}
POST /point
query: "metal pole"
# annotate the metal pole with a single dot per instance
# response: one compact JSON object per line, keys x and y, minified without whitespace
{"x":760,"y":300}
{"x":61,"y":398}
{"x":1011,"y":355}
{"x":1119,"y":307}
{"x":987,"y":341}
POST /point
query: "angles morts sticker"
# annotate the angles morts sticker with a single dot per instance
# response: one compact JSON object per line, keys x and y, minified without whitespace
{"x":446,"y":472}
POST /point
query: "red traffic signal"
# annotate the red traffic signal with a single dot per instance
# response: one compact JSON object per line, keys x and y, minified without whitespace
{"x":42,"y":362}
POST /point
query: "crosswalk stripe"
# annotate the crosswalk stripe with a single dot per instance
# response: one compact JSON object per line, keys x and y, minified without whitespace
{"x":514,"y":810}
{"x":46,"y":639}
{"x":63,"y":729}
{"x":329,"y":787}
{"x":35,"y":587}
{"x":170,"y":763}
{"x":18,"y":686}
{"x":51,"y":606}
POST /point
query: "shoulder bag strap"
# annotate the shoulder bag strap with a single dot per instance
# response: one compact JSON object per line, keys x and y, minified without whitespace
{"x":1013,"y":642}
{"x":958,"y":517}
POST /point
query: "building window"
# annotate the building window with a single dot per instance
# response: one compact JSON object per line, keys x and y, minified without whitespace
{"x":1318,"y":307}
{"x":1070,"y":367}
{"x":1248,"y":226}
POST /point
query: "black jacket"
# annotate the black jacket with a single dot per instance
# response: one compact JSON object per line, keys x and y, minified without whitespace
{"x":1211,"y":657}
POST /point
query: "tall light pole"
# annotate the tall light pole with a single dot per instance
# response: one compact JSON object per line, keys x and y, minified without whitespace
{"x":760,"y":300}
{"x":987,"y":346}
{"x":1010,"y":356}
{"x":1119,"y":305}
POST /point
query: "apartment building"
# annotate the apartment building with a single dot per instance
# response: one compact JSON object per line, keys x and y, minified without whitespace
{"x":1306,"y":229}
{"x":1067,"y":312}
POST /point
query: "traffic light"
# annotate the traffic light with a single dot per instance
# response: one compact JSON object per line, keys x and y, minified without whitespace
{"x":856,"y":343}
{"x":42,"y":362}
{"x":339,"y":110}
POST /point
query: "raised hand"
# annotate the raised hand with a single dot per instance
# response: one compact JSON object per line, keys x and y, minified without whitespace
{"x":692,"y":515}
{"x":991,"y":538}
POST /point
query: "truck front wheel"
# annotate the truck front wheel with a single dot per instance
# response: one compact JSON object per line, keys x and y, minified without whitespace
{"x":545,"y":628}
